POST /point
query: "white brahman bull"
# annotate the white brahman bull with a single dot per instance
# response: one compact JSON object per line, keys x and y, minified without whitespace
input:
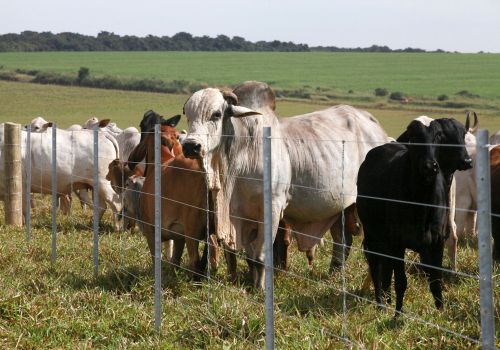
{"x":309,"y":173}
{"x":74,"y":168}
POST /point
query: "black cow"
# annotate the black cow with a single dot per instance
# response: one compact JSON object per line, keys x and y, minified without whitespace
{"x":402,"y":200}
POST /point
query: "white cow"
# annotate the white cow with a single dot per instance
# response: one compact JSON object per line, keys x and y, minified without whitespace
{"x":308,"y":160}
{"x":127,"y":139}
{"x":38,"y":124}
{"x":495,"y":138}
{"x":74,"y":169}
{"x":466,"y":203}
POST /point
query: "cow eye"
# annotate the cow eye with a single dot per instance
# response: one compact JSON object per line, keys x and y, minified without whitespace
{"x":216,"y":115}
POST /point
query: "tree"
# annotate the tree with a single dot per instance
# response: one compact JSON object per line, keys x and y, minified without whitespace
{"x":83,"y":73}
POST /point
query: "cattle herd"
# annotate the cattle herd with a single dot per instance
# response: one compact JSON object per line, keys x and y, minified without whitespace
{"x":334,"y":169}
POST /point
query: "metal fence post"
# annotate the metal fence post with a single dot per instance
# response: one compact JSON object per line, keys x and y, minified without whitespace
{"x":268,"y":239}
{"x":484,"y":239}
{"x":157,"y":257}
{"x":54,"y":192}
{"x":96,"y":200}
{"x":27,"y":188}
{"x":344,"y":251}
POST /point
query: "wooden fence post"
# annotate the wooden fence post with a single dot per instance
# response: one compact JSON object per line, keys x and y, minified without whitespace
{"x":13,"y":175}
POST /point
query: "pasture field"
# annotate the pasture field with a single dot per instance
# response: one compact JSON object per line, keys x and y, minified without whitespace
{"x":61,"y":305}
{"x":416,"y":74}
{"x":21,"y":102}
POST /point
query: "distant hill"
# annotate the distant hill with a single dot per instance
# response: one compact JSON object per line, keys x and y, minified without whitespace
{"x":106,"y":41}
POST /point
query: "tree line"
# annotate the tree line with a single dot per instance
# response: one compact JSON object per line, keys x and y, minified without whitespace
{"x":107,"y":41}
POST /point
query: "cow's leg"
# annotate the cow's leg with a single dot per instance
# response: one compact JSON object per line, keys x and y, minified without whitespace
{"x":131,"y":225}
{"x":192,"y":246}
{"x":386,"y":278}
{"x":255,"y":259}
{"x":462,"y":217}
{"x":339,"y":249}
{"x":352,"y":222}
{"x":65,"y":203}
{"x":214,"y":252}
{"x":400,"y":282}
{"x":149,"y":233}
{"x":280,"y":247}
{"x":434,"y":256}
{"x":310,"y":254}
{"x":230,"y":256}
{"x":470,"y":224}
{"x":108,"y":196}
{"x":255,"y":249}
{"x":168,"y":249}
{"x":495,"y":231}
{"x":452,"y":243}
{"x":177,"y":250}
{"x":374,"y":263}
{"x":213,"y":247}
{"x":451,"y":226}
{"x":83,"y":197}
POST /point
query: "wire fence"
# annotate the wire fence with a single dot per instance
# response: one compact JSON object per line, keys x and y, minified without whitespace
{"x":68,"y":163}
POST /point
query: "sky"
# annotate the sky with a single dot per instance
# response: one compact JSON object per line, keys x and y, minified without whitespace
{"x":452,"y":25}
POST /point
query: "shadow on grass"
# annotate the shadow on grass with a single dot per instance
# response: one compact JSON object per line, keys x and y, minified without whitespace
{"x":125,"y":279}
{"x":327,"y":302}
{"x":390,"y":323}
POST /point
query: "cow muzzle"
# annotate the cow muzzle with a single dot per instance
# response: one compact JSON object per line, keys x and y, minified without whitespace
{"x":465,"y":164}
{"x":430,"y":169}
{"x":191,"y":149}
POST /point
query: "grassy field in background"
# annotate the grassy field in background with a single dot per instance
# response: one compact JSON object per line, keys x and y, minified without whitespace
{"x":62,"y":305}
{"x":21,"y":102}
{"x":416,"y":74}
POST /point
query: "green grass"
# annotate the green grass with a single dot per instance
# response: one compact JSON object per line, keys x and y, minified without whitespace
{"x":62,"y":305}
{"x":21,"y":102}
{"x":415,"y":74}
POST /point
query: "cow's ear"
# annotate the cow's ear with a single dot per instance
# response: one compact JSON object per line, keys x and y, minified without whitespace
{"x":403,"y":137}
{"x":230,"y":97}
{"x":239,"y":111}
{"x":103,"y":123}
{"x":172,"y":121}
{"x":47,"y":125}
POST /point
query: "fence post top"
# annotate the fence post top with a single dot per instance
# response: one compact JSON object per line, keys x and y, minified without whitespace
{"x":11,"y":124}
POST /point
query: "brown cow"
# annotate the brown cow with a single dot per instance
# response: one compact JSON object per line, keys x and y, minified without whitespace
{"x":184,"y":198}
{"x":119,"y":172}
{"x":495,"y":200}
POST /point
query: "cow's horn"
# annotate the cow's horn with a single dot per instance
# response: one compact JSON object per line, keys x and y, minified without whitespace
{"x":238,"y":112}
{"x":476,"y":124}
{"x":230,"y":97}
{"x":467,"y":121}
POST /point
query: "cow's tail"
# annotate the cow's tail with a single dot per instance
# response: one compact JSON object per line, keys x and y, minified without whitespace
{"x":114,"y":142}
